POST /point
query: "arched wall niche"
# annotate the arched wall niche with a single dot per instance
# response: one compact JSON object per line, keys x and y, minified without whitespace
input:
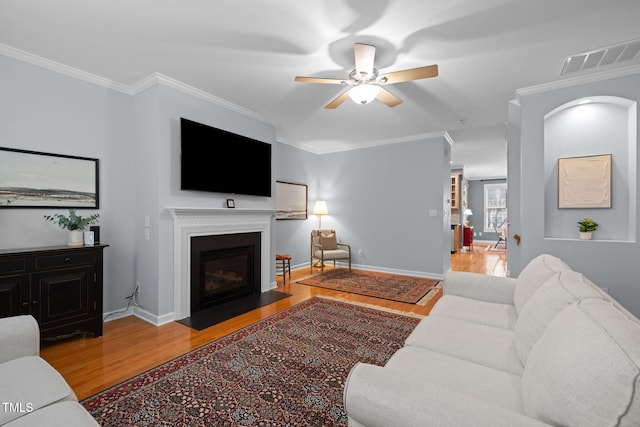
{"x":593,"y":126}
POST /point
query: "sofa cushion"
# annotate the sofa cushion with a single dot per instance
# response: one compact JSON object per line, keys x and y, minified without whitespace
{"x":559,"y":291}
{"x":585,"y":369}
{"x":473,"y":310}
{"x":62,"y":414}
{"x":479,"y":382}
{"x":482,"y":344}
{"x":30,"y":380}
{"x":533,"y":276}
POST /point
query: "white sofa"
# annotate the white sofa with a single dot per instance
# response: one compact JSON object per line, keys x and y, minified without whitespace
{"x":32,"y":393}
{"x":547,"y":348}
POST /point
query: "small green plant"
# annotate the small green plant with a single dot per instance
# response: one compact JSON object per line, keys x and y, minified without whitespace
{"x":72,"y":222}
{"x":586,"y":225}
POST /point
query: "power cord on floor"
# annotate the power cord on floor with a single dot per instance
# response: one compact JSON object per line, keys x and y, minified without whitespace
{"x":131,"y":299}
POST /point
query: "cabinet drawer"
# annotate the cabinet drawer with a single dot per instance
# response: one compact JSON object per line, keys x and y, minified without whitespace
{"x":44,"y":262}
{"x":12,"y":265}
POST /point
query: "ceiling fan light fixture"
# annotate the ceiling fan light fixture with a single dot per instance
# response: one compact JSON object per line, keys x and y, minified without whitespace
{"x":363,"y":93}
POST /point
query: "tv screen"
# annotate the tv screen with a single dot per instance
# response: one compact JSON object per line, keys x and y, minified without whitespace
{"x":219,"y":161}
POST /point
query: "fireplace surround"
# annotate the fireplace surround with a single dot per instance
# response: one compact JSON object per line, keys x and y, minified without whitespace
{"x":195,"y":222}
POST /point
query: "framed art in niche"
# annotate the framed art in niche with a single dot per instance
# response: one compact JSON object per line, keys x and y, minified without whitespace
{"x":291,"y":200}
{"x":31,"y":179}
{"x":584,"y":182}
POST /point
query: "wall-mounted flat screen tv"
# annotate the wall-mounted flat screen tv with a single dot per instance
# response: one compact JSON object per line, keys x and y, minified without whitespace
{"x":219,"y":161}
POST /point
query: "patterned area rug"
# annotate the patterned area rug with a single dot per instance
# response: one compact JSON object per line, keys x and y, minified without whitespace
{"x":374,"y":284}
{"x":286,"y":370}
{"x":500,"y":248}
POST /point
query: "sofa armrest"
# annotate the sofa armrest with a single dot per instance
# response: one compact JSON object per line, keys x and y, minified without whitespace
{"x":19,"y":336}
{"x":375,"y":396}
{"x":479,"y":286}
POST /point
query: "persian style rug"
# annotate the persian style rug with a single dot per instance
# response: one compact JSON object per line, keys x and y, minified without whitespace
{"x":374,"y":284}
{"x":286,"y":370}
{"x":500,"y":248}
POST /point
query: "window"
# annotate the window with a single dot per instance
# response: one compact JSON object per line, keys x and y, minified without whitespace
{"x":495,"y":206}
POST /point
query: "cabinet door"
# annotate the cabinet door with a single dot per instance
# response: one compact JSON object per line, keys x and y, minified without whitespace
{"x":61,"y":299}
{"x":455,"y":192}
{"x":14,"y":295}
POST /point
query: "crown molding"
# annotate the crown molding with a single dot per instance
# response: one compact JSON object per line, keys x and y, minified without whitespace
{"x":370,"y":144}
{"x":132,"y":90}
{"x":580,"y":80}
{"x":161,"y":79}
{"x":60,"y":68}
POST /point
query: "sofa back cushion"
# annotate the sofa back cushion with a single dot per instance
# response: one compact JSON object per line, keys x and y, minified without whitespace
{"x":585,"y":369}
{"x":557,"y":293}
{"x":534,"y":275}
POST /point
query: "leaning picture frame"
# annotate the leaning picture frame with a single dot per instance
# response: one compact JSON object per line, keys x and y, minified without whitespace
{"x":32,"y":179}
{"x":291,"y":200}
{"x":584,"y":182}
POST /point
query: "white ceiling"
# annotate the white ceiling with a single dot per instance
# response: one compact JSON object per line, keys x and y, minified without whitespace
{"x":248,"y":52}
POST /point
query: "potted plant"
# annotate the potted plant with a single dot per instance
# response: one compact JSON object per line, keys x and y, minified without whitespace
{"x":74,"y":223}
{"x":586,"y":227}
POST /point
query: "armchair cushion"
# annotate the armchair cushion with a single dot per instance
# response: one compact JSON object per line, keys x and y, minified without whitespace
{"x":328,"y":241}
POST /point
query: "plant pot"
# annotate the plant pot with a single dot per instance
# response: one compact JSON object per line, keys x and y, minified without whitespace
{"x":76,"y":238}
{"x":586,"y":235}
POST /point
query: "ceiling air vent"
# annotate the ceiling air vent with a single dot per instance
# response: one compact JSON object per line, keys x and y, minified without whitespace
{"x":616,"y":54}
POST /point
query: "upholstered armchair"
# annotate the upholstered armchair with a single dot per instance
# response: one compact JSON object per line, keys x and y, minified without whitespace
{"x":325,"y":247}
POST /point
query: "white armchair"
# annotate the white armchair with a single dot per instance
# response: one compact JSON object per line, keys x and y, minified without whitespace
{"x":325,"y":247}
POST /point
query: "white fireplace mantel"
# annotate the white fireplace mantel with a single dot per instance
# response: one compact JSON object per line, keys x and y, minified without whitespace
{"x":192,"y":222}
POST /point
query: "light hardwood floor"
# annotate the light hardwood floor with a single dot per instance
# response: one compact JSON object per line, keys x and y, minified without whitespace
{"x":131,"y":346}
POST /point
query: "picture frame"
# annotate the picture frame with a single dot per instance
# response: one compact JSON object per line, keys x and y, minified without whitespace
{"x":231,"y":203}
{"x":584,"y":182}
{"x":33,"y":179}
{"x":291,"y":200}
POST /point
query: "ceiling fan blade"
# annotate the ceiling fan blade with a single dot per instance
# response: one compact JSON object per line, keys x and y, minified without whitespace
{"x":364,"y":56}
{"x":338,"y":101}
{"x":411,"y":74}
{"x":319,"y":80}
{"x":388,"y":98}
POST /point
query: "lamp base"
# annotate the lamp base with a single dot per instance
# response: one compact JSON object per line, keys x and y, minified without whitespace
{"x":318,"y":264}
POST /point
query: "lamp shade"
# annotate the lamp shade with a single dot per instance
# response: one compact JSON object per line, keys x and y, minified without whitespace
{"x":363,"y":93}
{"x":468,"y":212}
{"x":320,"y":208}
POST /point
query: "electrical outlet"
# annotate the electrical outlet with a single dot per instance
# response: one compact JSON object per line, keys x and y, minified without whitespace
{"x":138,"y":286}
{"x":146,"y":234}
{"x":360,"y":253}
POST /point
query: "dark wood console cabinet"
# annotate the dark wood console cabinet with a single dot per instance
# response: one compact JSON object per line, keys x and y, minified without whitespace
{"x":60,"y":286}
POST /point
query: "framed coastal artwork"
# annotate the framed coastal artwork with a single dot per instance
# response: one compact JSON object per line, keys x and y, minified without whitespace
{"x":291,"y":200}
{"x":584,"y":182}
{"x":31,"y":179}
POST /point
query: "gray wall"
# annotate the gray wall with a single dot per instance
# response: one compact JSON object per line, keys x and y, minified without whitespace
{"x":379,"y":198}
{"x":49,"y":112}
{"x":610,"y":263}
{"x":292,"y":236}
{"x":379,"y":201}
{"x":476,"y":204}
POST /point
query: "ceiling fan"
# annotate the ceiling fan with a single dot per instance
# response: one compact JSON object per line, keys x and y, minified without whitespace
{"x":365,"y":81}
